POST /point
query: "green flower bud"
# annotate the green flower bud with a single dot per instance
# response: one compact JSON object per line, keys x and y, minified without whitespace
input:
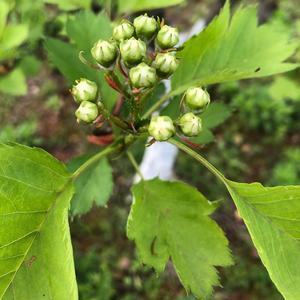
{"x":87,"y":112}
{"x":105,"y":53}
{"x":190,"y":124}
{"x":142,"y":76}
{"x":145,"y":26}
{"x":165,"y":64}
{"x":84,"y":90}
{"x":161,"y":128}
{"x":196,"y":98}
{"x":123,"y":31}
{"x":167,"y":37}
{"x":133,"y":51}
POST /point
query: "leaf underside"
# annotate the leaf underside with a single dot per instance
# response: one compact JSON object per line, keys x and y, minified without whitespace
{"x":233,"y":49}
{"x":171,"y":220}
{"x":36,"y":258}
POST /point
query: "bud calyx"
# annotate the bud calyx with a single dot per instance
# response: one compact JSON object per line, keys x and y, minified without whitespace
{"x":197,"y":98}
{"x":167,"y":37}
{"x":145,"y":26}
{"x":190,"y":124}
{"x":84,"y":90}
{"x":123,"y":31}
{"x":142,"y":76}
{"x":161,"y":128}
{"x":133,"y":51}
{"x":105,"y":53}
{"x":165,"y":64}
{"x":87,"y":112}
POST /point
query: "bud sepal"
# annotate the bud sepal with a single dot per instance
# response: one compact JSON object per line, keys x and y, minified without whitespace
{"x":167,"y":37}
{"x":190,"y":124}
{"x":105,"y":53}
{"x":133,"y":51}
{"x":87,"y":112}
{"x":84,"y":90}
{"x":142,"y":76}
{"x":123,"y":31}
{"x":165,"y":64}
{"x":161,"y":128}
{"x":197,"y":98}
{"x":145,"y":27}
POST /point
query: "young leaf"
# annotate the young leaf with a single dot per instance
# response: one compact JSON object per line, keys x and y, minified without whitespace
{"x":4,"y":10}
{"x":171,"y":220}
{"x":36,"y":260}
{"x":84,"y":29}
{"x":70,"y":4}
{"x":93,"y":185}
{"x":14,"y":83}
{"x":272,"y":218}
{"x":232,"y":50}
{"x":138,"y":5}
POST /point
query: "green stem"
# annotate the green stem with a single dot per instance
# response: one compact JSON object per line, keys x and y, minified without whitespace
{"x":110,"y":149}
{"x":156,"y":106}
{"x":134,"y":164}
{"x":199,"y":158}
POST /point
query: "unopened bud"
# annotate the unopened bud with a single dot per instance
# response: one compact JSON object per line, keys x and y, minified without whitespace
{"x":161,"y":128}
{"x":133,"y":51}
{"x":123,"y":31}
{"x":190,"y":124}
{"x":165,"y":64}
{"x":87,"y":112}
{"x":142,"y":76}
{"x":105,"y":53}
{"x":145,"y":26}
{"x":84,"y":90}
{"x":197,"y":98}
{"x":167,"y":37}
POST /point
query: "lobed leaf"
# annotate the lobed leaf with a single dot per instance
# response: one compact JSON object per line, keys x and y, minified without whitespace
{"x":95,"y":185}
{"x":171,"y":220}
{"x":35,"y":247}
{"x":272,"y":216}
{"x":233,"y":49}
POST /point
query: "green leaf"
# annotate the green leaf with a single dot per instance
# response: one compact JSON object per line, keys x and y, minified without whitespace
{"x":12,"y":37}
{"x":30,"y":65}
{"x":83,"y":31}
{"x":138,"y":5}
{"x":215,"y":114}
{"x":232,"y":50}
{"x":284,"y":88}
{"x":14,"y":83}
{"x":70,"y":4}
{"x":171,"y":220}
{"x":35,"y":247}
{"x":86,"y":28}
{"x":94,"y":185}
{"x":4,"y":10}
{"x":272,"y":215}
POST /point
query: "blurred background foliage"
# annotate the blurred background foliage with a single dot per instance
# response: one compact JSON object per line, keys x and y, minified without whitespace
{"x":259,"y":140}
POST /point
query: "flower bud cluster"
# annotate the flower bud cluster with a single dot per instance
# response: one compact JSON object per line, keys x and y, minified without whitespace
{"x":128,"y":45}
{"x":189,"y":124}
{"x":85,"y":94}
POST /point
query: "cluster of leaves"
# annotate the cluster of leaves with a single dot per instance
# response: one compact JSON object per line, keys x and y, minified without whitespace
{"x":168,"y":220}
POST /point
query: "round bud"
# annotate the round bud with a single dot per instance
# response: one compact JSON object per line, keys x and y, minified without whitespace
{"x":167,"y":37}
{"x":165,"y":64}
{"x":84,"y":90}
{"x":145,"y":27}
{"x":133,"y":51}
{"x":161,"y":128}
{"x":87,"y":112}
{"x":196,"y":98}
{"x":123,"y":31}
{"x":142,"y":76}
{"x":190,"y":124}
{"x":105,"y":53}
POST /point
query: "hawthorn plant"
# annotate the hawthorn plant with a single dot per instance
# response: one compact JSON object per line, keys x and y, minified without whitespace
{"x":168,"y":220}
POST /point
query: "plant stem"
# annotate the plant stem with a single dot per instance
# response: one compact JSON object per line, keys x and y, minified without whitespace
{"x":156,"y":106}
{"x":199,"y":158}
{"x":134,"y":164}
{"x":110,"y":149}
